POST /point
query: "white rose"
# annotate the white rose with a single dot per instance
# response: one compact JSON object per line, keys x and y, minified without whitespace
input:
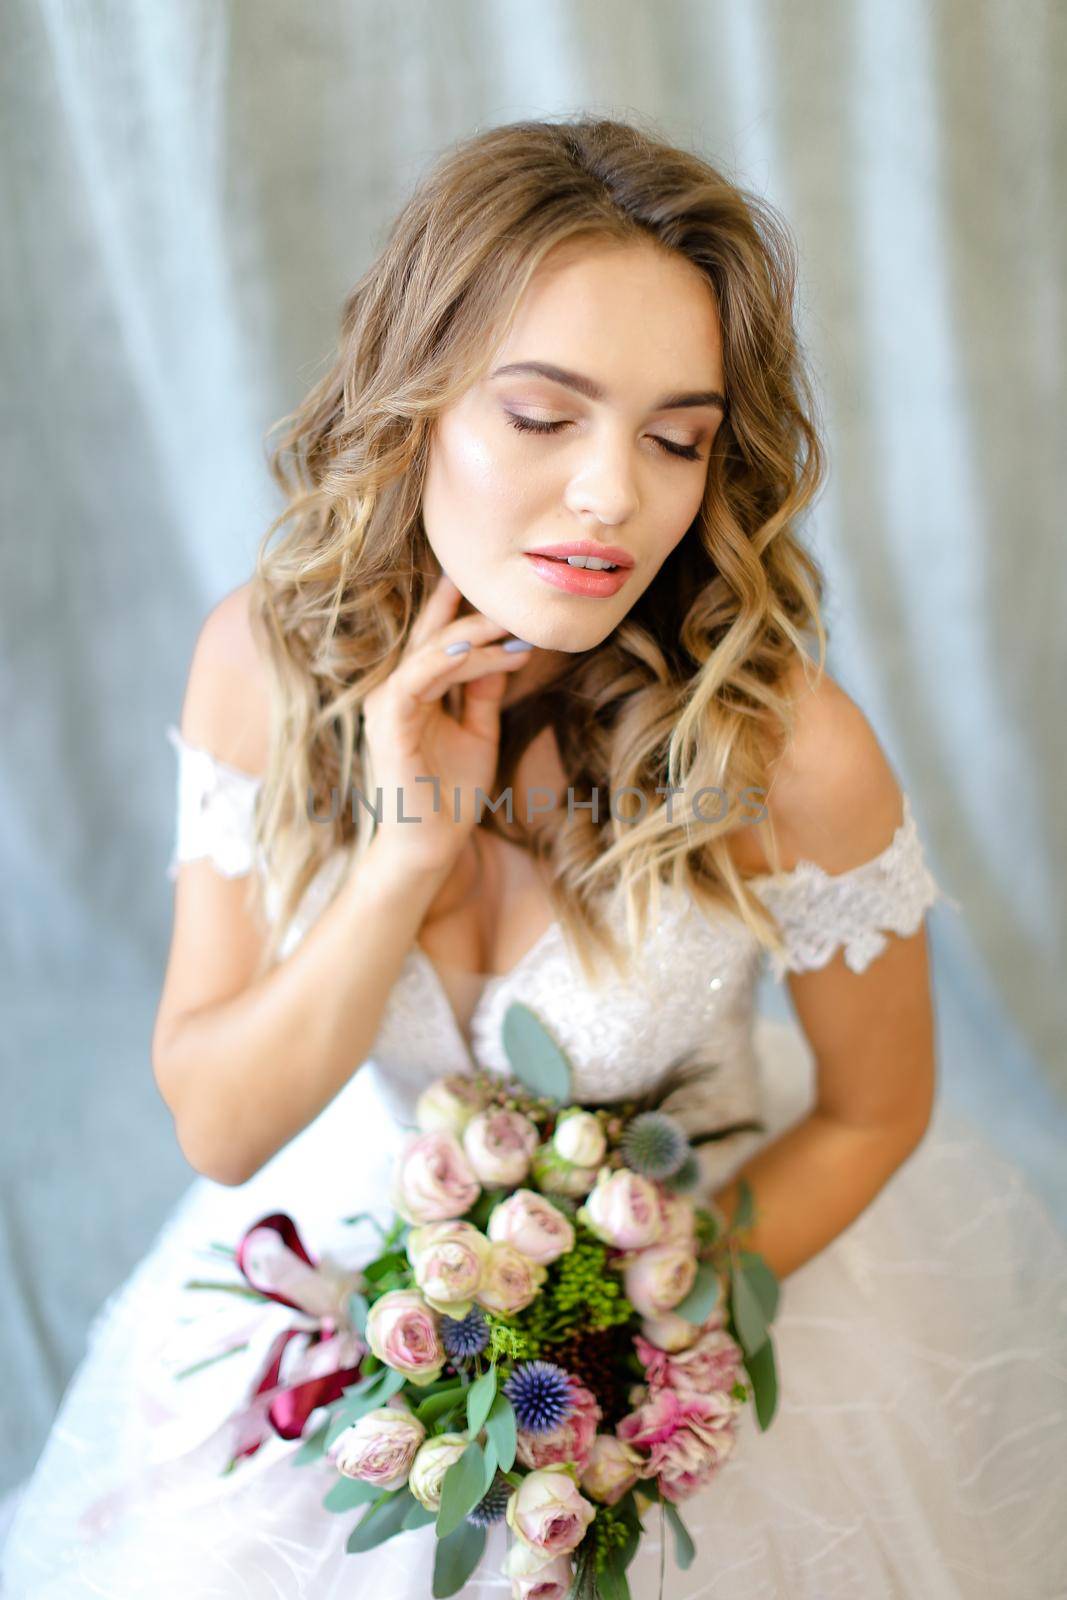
{"x":579,"y":1138}
{"x":430,"y":1465}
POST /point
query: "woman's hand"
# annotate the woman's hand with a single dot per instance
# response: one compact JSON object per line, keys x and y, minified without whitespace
{"x":409,"y":734}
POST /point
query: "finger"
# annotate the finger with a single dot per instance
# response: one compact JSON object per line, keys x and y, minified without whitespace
{"x":439,"y":605}
{"x":431,"y":675}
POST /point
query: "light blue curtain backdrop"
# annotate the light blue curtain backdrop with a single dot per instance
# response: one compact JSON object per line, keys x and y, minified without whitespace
{"x":189,"y":188}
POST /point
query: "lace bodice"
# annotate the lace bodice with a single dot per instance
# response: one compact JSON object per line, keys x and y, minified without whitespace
{"x":692,"y":997}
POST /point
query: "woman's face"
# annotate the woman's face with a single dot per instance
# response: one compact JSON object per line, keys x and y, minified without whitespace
{"x":640,"y":330}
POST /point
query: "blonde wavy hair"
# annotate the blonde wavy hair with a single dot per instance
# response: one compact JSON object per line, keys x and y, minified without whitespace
{"x":687,"y":691}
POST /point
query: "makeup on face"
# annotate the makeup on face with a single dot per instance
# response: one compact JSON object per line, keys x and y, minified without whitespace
{"x":559,"y":482}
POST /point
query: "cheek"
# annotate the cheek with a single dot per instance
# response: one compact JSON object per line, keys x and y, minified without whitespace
{"x":480,"y":473}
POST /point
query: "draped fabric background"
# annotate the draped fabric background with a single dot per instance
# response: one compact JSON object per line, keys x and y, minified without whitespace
{"x":189,"y":188}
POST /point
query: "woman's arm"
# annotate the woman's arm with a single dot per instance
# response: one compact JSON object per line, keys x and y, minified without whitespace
{"x":836,"y":802}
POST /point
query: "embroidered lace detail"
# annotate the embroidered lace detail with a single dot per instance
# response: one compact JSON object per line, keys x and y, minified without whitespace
{"x":819,"y":911}
{"x":215,"y":810}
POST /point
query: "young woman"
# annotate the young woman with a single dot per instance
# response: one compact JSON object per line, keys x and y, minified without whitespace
{"x":580,"y":340}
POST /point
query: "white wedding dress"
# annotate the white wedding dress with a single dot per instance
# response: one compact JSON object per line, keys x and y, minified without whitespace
{"x":918,"y":1451}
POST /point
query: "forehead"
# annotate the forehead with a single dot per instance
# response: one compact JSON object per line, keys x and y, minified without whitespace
{"x":639,"y":317}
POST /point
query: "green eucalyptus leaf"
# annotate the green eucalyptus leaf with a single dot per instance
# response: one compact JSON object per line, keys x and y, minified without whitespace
{"x":684,"y":1548}
{"x":762,"y":1282}
{"x":611,"y":1580}
{"x":743,"y":1216}
{"x":500,"y":1428}
{"x":384,"y":1519}
{"x":461,"y":1489}
{"x":313,"y":1447}
{"x":762,"y":1371}
{"x":534,"y":1056}
{"x":436,"y":1405}
{"x":703,"y":1297}
{"x":480,"y":1397}
{"x":347,"y":1493}
{"x":419,"y":1517}
{"x":455,"y":1558}
{"x":358,"y":1310}
{"x":747,"y":1313}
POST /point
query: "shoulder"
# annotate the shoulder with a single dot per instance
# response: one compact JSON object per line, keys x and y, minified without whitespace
{"x":227,"y":704}
{"x":832,"y":796}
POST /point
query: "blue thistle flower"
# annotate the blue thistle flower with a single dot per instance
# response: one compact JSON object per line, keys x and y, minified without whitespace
{"x":654,"y":1145}
{"x":493,"y":1505}
{"x":466,"y":1336}
{"x":540,"y":1394}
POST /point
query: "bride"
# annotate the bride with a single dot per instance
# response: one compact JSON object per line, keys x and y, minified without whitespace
{"x":576,"y":340}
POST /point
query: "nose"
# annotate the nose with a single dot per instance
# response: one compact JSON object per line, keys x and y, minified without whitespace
{"x":604,"y":485}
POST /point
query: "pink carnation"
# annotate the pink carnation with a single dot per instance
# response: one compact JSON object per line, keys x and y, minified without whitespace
{"x":711,"y":1365}
{"x":687,"y":1436}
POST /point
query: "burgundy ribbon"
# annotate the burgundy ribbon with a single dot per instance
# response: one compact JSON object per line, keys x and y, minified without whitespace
{"x":301,"y":1284}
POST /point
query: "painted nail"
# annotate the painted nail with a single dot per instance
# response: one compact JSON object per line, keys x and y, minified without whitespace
{"x":517,"y":644}
{"x":457,"y":649}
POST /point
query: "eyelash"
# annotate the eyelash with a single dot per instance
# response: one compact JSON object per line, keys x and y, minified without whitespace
{"x":686,"y":452}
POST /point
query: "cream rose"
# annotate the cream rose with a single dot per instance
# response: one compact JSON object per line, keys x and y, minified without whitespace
{"x":623,"y":1209}
{"x":448,"y":1259}
{"x":499,"y":1145}
{"x":613,"y":1467}
{"x":380,"y":1447}
{"x":448,"y":1104}
{"x":510,"y":1281}
{"x":670,"y":1332}
{"x":579,"y":1138}
{"x":434,"y":1180}
{"x":548,"y":1512}
{"x":430,"y":1465}
{"x":533,"y":1578}
{"x":536,"y":1228}
{"x":657,"y":1279}
{"x":553,"y":1175}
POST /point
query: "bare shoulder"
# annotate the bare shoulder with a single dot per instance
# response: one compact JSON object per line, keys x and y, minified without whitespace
{"x":832,"y":796}
{"x":227,"y":701}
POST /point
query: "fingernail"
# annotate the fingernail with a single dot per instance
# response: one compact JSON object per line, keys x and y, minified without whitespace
{"x":517,"y":644}
{"x":457,"y":649}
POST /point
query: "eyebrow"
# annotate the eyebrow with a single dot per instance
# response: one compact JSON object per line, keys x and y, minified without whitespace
{"x":595,"y":391}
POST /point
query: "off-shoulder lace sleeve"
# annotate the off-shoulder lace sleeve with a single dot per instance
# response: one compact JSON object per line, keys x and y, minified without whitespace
{"x":215,"y":810}
{"x":818,"y":911}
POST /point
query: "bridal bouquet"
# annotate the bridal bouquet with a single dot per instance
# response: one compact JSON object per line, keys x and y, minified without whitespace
{"x":553,"y":1333}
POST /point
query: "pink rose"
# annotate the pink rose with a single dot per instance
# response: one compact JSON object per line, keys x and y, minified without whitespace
{"x":656,"y":1279}
{"x":622,"y":1209}
{"x":548,"y":1512}
{"x":448,"y":1259}
{"x":679,"y":1221}
{"x":380,"y":1447}
{"x":613,"y":1467}
{"x":536,"y":1228}
{"x":435,"y":1180}
{"x":499,"y":1145}
{"x":402,"y":1332}
{"x":550,"y":1582}
{"x":510,"y":1281}
{"x":571,"y":1441}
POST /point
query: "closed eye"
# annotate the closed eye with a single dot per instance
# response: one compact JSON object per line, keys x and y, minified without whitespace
{"x":688,"y":452}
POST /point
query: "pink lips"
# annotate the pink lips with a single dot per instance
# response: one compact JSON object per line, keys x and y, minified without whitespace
{"x":578,"y":580}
